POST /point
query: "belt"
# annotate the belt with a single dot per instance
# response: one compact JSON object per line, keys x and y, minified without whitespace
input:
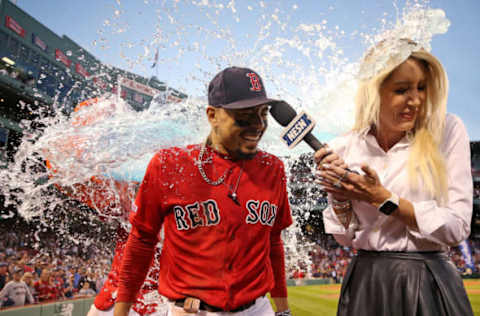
{"x":213,"y":309}
{"x":417,"y":255}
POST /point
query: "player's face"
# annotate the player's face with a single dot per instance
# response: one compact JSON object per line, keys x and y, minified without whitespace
{"x":238,"y":132}
{"x":402,"y":95}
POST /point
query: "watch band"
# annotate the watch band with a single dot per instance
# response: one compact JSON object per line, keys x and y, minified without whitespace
{"x":389,"y":205}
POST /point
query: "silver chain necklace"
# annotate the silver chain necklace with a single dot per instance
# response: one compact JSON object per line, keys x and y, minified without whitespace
{"x":200,"y":162}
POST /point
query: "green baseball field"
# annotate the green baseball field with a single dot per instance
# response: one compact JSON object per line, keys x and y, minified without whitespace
{"x":321,"y":300}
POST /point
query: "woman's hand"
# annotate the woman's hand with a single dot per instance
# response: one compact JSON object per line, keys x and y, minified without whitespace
{"x":366,"y":187}
{"x":325,"y":157}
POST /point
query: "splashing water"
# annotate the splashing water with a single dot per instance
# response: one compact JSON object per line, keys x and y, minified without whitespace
{"x":300,"y":62}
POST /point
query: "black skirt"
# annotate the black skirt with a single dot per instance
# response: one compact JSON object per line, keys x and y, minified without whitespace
{"x":403,"y":284}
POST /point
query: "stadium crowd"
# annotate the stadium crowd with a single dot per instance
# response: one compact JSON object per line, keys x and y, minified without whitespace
{"x":332,"y":262}
{"x":57,"y":273}
{"x":51,"y":273}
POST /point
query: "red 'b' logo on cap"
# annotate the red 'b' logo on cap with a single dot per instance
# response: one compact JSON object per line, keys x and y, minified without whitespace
{"x":255,"y":84}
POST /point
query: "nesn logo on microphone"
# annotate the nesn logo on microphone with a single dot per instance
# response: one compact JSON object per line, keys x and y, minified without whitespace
{"x":300,"y":126}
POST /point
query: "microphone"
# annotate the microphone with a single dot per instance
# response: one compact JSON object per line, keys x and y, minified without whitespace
{"x":285,"y":115}
{"x":298,"y":127}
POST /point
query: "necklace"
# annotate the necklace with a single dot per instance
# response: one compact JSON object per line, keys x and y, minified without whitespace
{"x":200,"y":163}
{"x":232,"y":194}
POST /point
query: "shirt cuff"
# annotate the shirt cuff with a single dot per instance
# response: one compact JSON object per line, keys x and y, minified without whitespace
{"x":333,"y":225}
{"x":439,"y":224}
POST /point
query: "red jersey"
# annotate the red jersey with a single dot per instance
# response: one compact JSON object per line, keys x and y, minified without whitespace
{"x":214,"y":249}
{"x":45,"y":291}
{"x":108,"y":293}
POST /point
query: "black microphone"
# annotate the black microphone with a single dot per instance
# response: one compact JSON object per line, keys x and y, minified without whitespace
{"x":283,"y":113}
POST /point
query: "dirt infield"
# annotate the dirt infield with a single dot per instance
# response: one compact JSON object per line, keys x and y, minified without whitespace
{"x":471,"y":282}
{"x":472,"y":286}
{"x":332,"y":287}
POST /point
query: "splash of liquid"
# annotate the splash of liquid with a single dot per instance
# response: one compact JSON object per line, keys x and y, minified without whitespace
{"x":300,"y":62}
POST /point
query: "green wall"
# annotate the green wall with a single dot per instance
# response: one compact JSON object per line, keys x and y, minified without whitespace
{"x":63,"y":308}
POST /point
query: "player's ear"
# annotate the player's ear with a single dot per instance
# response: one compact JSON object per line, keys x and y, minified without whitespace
{"x":212,"y":115}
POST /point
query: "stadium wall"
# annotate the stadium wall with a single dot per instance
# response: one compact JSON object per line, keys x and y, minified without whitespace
{"x":79,"y":307}
{"x":299,"y":282}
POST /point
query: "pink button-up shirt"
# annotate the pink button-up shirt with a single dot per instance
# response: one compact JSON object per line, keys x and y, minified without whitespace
{"x":439,"y":227}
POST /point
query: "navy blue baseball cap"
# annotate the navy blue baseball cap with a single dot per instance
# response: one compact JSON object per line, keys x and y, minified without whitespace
{"x":238,"y":88}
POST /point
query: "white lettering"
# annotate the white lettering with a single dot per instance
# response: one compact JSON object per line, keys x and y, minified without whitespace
{"x":297,"y":129}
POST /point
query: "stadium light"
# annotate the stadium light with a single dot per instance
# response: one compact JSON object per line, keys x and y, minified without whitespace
{"x":8,"y":61}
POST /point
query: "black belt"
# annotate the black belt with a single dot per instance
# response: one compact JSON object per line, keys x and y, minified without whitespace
{"x":417,"y":255}
{"x":213,"y":309}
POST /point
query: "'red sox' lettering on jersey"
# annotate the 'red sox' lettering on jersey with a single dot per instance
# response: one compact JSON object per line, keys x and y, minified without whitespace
{"x":264,"y":212}
{"x":198,"y":214}
{"x":207,"y":213}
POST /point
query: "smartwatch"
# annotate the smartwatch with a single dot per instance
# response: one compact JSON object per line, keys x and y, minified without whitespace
{"x":390,"y":204}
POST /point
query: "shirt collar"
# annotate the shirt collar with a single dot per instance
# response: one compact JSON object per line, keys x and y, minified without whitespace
{"x":370,"y":139}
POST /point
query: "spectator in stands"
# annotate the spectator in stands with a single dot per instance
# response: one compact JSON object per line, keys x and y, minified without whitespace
{"x":58,"y":279}
{"x":37,"y":268}
{"x":30,"y":282}
{"x":69,"y":289}
{"x":86,"y":290}
{"x":3,"y":274}
{"x":80,"y":276}
{"x":16,"y":292}
{"x":28,"y":267}
{"x":91,"y":278}
{"x":46,"y":291}
{"x":57,"y":287}
{"x":412,"y":199}
{"x":101,"y":278}
{"x":70,"y":272}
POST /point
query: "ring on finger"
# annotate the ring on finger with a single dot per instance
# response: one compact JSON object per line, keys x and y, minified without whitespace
{"x":344,"y":175}
{"x":338,"y":184}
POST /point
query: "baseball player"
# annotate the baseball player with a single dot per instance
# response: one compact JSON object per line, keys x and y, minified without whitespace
{"x":223,"y":205}
{"x":97,"y":193}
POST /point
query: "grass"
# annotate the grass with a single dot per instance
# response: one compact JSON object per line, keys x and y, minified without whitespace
{"x":321,"y":300}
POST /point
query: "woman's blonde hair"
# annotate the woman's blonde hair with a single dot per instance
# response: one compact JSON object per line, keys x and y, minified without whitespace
{"x":425,"y":159}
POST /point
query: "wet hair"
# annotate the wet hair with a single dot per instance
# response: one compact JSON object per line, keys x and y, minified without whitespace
{"x":426,"y":164}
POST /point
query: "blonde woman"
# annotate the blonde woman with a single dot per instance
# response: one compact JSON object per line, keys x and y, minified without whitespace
{"x":412,"y":197}
{"x":30,"y":282}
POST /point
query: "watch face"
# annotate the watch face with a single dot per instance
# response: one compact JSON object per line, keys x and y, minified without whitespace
{"x":388,"y":207}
